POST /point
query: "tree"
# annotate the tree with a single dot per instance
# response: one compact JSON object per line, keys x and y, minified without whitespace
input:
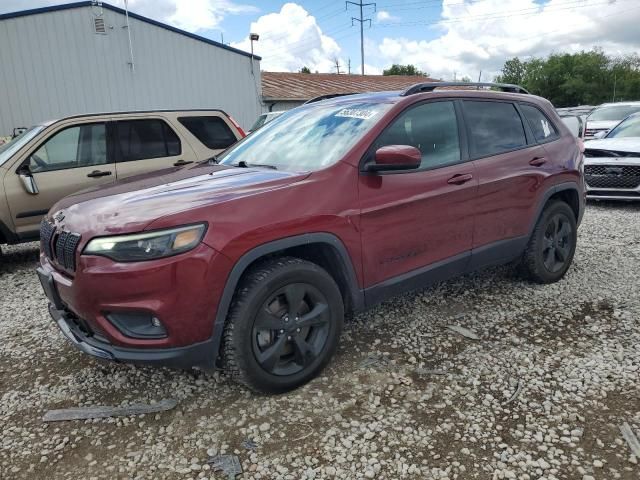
{"x":304,"y":70}
{"x":404,"y":70}
{"x":583,"y":78}
{"x":465,"y":79}
{"x":512,"y":72}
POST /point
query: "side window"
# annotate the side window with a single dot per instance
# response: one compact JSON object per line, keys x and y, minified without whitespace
{"x":73,"y":147}
{"x":431,"y":128}
{"x":543,"y":129}
{"x":211,"y":131}
{"x":146,"y":139}
{"x":494,"y":127}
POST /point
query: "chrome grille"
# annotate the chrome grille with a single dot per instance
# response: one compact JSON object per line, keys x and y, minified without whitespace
{"x":59,"y":246}
{"x":612,"y":176}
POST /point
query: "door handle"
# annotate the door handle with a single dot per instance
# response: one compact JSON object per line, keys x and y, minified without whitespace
{"x":460,"y":178}
{"x":98,"y":173}
{"x":537,"y":161}
{"x":180,"y":163}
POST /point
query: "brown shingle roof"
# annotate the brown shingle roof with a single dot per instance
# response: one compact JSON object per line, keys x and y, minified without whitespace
{"x":304,"y":86}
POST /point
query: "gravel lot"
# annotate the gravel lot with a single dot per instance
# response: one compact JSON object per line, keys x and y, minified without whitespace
{"x":404,"y":398}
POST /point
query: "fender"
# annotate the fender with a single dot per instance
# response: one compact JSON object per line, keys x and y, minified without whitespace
{"x":552,"y":191}
{"x":357,"y":295}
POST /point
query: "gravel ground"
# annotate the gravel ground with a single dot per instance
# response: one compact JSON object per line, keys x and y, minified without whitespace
{"x":404,"y":398}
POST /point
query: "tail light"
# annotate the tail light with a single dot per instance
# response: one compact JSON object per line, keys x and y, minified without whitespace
{"x":237,"y":125}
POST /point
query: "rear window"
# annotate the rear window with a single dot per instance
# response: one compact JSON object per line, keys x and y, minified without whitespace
{"x":543,"y":129}
{"x":146,"y":139}
{"x":211,"y":131}
{"x":494,"y":127}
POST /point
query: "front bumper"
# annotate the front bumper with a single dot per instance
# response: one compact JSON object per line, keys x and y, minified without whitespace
{"x":197,"y":355}
{"x":181,"y":291}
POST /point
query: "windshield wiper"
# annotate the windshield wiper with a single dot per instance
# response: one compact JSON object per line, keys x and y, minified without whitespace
{"x":243,"y":164}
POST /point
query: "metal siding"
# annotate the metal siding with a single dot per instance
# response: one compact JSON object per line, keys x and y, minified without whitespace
{"x":53,"y":64}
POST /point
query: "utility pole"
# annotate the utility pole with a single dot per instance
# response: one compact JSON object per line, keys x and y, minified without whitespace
{"x":337,"y":65}
{"x":349,"y":66}
{"x":615,"y":78}
{"x":362,"y":22}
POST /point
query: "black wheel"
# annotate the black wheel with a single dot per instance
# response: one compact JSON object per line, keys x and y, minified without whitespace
{"x":552,"y":244}
{"x":283,"y":326}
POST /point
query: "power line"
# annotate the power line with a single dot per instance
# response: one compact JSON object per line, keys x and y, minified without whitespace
{"x":362,"y":22}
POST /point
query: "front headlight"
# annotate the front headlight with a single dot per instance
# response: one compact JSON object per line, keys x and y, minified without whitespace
{"x":147,"y":246}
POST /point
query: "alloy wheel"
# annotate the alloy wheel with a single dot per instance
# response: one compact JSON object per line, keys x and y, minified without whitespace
{"x":557,"y":243}
{"x":291,"y":329}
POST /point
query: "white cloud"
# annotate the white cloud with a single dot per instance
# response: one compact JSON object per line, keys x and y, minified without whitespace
{"x":191,"y":15}
{"x":291,"y":39}
{"x":482,"y":34}
{"x":384,"y":16}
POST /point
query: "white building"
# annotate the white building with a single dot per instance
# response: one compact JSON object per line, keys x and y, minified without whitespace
{"x":89,"y":57}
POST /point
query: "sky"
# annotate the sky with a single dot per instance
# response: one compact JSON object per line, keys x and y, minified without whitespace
{"x":447,"y":39}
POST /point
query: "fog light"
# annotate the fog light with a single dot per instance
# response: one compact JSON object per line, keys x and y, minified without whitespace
{"x":141,"y":325}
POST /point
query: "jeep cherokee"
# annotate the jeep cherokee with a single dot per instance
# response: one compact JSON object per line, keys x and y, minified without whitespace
{"x":250,"y":264}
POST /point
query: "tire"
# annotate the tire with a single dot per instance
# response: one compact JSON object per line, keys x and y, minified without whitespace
{"x":258,"y":327}
{"x":552,"y":245}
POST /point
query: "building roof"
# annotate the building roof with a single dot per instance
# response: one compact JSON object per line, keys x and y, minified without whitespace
{"x":89,"y":3}
{"x":279,"y":86}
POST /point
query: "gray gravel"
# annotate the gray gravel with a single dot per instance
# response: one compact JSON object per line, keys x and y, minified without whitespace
{"x":540,"y":395}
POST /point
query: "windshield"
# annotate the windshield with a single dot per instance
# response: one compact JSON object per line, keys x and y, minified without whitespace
{"x":613,"y":114}
{"x":628,"y":128}
{"x":306,"y":138}
{"x":259,"y":122}
{"x":8,"y":149}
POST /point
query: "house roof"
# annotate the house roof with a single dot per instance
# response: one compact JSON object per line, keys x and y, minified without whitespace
{"x":89,"y":3}
{"x":304,"y":86}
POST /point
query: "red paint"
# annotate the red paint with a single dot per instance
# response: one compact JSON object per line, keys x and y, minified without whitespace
{"x":390,"y":224}
{"x":398,"y":155}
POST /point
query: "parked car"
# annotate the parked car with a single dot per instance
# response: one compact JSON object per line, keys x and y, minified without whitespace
{"x":251,"y":265}
{"x":607,"y":116}
{"x":263,"y":119}
{"x":612,"y":163}
{"x":57,"y":158}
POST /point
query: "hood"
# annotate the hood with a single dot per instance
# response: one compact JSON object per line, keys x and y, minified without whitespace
{"x":627,"y":144}
{"x":132,"y":204}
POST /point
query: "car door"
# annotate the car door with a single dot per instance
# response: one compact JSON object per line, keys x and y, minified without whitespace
{"x":147,"y":144}
{"x":72,"y":158}
{"x":418,"y":221}
{"x":508,"y":165}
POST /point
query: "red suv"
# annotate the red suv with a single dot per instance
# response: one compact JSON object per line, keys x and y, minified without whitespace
{"x":250,"y":262}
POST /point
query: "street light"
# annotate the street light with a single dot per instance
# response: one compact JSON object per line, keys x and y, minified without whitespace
{"x":254,"y":37}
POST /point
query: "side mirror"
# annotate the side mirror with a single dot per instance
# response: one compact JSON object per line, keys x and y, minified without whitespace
{"x":28,"y":182}
{"x":395,"y":157}
{"x":601,"y":134}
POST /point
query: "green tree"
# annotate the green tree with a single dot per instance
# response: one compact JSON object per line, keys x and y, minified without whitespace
{"x":512,"y":72}
{"x":396,"y":69}
{"x":583,"y":78}
{"x":304,"y":70}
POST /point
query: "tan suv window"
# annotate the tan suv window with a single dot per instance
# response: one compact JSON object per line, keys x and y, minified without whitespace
{"x":146,"y":139}
{"x":73,"y":147}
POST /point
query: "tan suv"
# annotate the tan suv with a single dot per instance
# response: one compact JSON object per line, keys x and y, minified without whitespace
{"x":54,"y":159}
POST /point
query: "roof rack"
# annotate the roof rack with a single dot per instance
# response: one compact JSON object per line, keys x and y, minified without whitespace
{"x":431,"y":86}
{"x":327,"y":96}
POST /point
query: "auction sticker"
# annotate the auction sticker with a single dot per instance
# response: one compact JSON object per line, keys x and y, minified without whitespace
{"x":356,"y":113}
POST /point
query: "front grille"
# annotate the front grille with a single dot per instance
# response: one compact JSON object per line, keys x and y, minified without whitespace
{"x":595,"y":153}
{"x":612,"y":176}
{"x":590,"y":132}
{"x":46,"y":235}
{"x":59,"y":246}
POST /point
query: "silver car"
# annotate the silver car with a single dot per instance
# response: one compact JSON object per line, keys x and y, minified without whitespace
{"x":612,"y":162}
